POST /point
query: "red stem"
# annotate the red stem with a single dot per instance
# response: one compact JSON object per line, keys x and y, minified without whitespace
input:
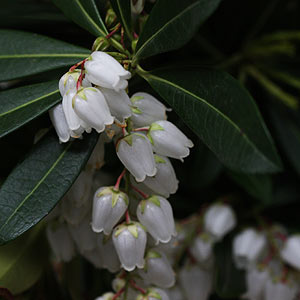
{"x":119,"y":293}
{"x":135,"y":286}
{"x":76,"y":65}
{"x":127,"y":216}
{"x":281,"y":236}
{"x":113,"y":32}
{"x":141,"y":129}
{"x":122,"y":38}
{"x":140,"y":192}
{"x":81,"y":76}
{"x":116,"y":187}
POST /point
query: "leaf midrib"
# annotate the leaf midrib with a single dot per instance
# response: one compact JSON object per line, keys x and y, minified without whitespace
{"x":235,"y":126}
{"x":163,"y":27}
{"x":32,"y":55}
{"x":37,"y":185}
{"x":28,"y":103}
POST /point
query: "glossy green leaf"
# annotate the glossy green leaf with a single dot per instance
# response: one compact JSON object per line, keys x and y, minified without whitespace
{"x":39,"y":182}
{"x":21,"y":105}
{"x":229,"y":281}
{"x":171,"y":25}
{"x":23,"y":54}
{"x":222,"y":113}
{"x":21,"y":262}
{"x":123,"y":10}
{"x":84,"y":13}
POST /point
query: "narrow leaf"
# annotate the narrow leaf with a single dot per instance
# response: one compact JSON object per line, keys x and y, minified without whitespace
{"x":39,"y":182}
{"x":171,"y":25}
{"x":23,"y":54}
{"x":84,"y":13}
{"x":21,"y":105}
{"x":222,"y":113}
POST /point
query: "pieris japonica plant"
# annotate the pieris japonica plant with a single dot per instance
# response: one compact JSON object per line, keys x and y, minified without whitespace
{"x":134,"y":167}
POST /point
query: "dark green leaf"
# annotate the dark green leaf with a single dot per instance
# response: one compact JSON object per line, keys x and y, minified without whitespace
{"x":258,"y":186}
{"x":84,"y":13}
{"x":21,"y":262}
{"x":21,"y":105}
{"x":123,"y":10}
{"x":23,"y":53}
{"x":229,"y":281}
{"x":39,"y":182}
{"x":171,"y":25}
{"x":222,"y":113}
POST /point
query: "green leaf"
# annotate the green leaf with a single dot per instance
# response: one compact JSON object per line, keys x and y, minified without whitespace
{"x":170,"y":25}
{"x":122,"y":8}
{"x":21,"y":105}
{"x":21,"y":262}
{"x":229,"y":281}
{"x":84,"y":13}
{"x":35,"y":186}
{"x":222,"y":113}
{"x":23,"y":54}
{"x":258,"y":186}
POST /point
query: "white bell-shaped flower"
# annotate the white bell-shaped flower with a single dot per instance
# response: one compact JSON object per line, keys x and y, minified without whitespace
{"x":146,"y":109}
{"x":135,"y":152}
{"x":103,"y":70}
{"x":156,"y":214}
{"x":196,"y":282}
{"x":83,"y":235}
{"x":291,"y":251}
{"x":59,"y":122}
{"x":61,"y":241}
{"x":168,"y":140}
{"x":118,"y":103}
{"x":256,"y":281}
{"x":154,"y":294}
{"x":164,"y":182}
{"x":276,"y":290}
{"x":108,"y":207}
{"x":248,"y":247}
{"x":202,"y":248}
{"x":219,"y":219}
{"x":68,"y":81}
{"x":106,"y":296}
{"x":130,"y":242}
{"x":90,"y":106}
{"x":157,"y":270}
{"x":108,"y":253}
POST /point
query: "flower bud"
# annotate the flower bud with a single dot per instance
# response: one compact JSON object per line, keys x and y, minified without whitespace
{"x":136,"y":154}
{"x":60,"y":241}
{"x":137,"y":6}
{"x":201,"y":248}
{"x":158,"y":270}
{"x":164,"y":182}
{"x":118,"y":102}
{"x":103,"y":70}
{"x":68,"y":81}
{"x":90,"y":105}
{"x":110,"y":17}
{"x":275,"y":290}
{"x":101,"y":43}
{"x":256,"y":281}
{"x":248,"y":247}
{"x":108,"y":208}
{"x":130,"y":242}
{"x":291,"y":251}
{"x":156,"y":214}
{"x":168,"y":140}
{"x":219,"y":219}
{"x":146,"y":109}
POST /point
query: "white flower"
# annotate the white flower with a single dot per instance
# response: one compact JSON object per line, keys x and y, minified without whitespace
{"x":201,"y":248}
{"x":59,"y":122}
{"x":146,"y":109}
{"x":248,"y":247}
{"x":291,"y":251}
{"x":156,"y":214}
{"x":130,"y":242}
{"x":137,"y":6}
{"x":157,"y":270}
{"x":108,"y":208}
{"x":164,"y":182}
{"x":68,"y":81}
{"x":280,"y":290}
{"x":108,"y":254}
{"x":168,"y":140}
{"x":103,"y":70}
{"x":135,"y":152}
{"x":196,"y":282}
{"x":219,"y":219}
{"x":91,"y":107}
{"x":60,"y":241}
{"x":256,"y":282}
{"x":118,"y":102}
